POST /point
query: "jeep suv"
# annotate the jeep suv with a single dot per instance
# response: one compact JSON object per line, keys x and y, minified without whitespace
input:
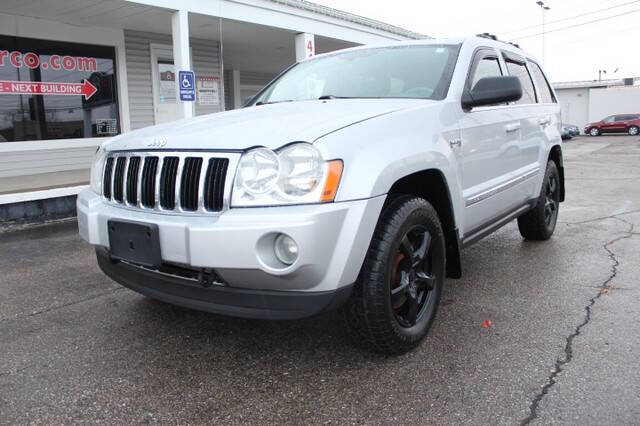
{"x":351,"y":181}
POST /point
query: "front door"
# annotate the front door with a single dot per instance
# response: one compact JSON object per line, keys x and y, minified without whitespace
{"x":165,"y":105}
{"x":609,"y":125}
{"x":490,"y":152}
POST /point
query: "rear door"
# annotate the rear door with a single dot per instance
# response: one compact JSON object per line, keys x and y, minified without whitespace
{"x":620,"y":124}
{"x":623,"y":122}
{"x":545,"y":129}
{"x":534,"y":121}
{"x":490,"y":151}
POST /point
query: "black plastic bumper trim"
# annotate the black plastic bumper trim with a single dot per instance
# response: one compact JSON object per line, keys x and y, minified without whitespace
{"x":246,"y":303}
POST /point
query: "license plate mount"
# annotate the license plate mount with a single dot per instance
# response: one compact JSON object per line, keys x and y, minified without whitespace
{"x":135,"y":242}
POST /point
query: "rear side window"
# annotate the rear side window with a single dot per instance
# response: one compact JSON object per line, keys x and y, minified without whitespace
{"x":622,"y":117}
{"x":488,"y":66}
{"x":528,"y":92}
{"x":546,"y":96}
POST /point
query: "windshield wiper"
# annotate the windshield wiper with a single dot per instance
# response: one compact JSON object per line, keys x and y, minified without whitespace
{"x":323,"y":97}
{"x":272,"y":102}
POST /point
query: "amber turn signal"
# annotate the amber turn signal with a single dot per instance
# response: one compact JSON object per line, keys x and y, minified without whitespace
{"x":334,"y":173}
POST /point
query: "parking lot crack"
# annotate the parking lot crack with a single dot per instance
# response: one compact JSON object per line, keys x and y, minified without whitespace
{"x":604,"y":288}
{"x":613,"y":216}
{"x":58,"y":307}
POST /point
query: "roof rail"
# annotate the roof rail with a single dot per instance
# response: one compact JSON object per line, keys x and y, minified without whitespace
{"x":487,"y":35}
{"x":495,"y":38}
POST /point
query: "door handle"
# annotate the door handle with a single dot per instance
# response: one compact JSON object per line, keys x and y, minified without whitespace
{"x":544,"y":121}
{"x":512,"y":127}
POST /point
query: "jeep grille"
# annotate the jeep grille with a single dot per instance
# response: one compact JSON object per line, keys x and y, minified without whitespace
{"x":179,"y":182}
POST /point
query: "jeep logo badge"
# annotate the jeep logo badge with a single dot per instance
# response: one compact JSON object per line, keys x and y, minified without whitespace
{"x":157,"y":143}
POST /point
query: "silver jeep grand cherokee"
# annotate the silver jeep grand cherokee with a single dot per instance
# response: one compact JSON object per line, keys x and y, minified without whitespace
{"x":351,"y":181}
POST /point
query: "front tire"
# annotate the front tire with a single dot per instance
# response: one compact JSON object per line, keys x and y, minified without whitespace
{"x":594,"y":132}
{"x":539,"y":223}
{"x":396,"y":296}
{"x":633,"y":131}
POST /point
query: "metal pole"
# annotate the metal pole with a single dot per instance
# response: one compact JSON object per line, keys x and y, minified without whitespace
{"x":544,"y":36}
{"x":223,"y":107}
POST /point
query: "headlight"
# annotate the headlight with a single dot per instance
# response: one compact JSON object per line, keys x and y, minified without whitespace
{"x":96,"y":170}
{"x":295,"y":174}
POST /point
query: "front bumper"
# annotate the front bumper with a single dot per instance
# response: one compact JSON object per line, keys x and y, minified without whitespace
{"x":332,"y":238}
{"x":262,"y":304}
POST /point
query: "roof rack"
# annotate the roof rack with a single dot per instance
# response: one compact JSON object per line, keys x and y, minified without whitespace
{"x":495,"y":38}
{"x":487,"y":35}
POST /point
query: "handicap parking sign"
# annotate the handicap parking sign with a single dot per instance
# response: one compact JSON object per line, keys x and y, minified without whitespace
{"x":187,"y":79}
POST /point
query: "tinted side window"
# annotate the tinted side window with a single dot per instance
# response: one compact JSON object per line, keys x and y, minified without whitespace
{"x":546,"y":96}
{"x":622,"y":117}
{"x":528,"y":92}
{"x":486,"y":67}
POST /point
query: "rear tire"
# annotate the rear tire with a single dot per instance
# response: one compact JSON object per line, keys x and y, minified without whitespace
{"x":633,"y":131}
{"x":594,"y":132}
{"x":396,"y":295}
{"x":539,"y":223}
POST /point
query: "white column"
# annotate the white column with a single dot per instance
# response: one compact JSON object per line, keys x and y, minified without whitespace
{"x":181,"y":55}
{"x":305,"y":46}
{"x":237,"y":95}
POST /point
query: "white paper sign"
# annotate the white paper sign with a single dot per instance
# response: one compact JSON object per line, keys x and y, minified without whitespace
{"x":208,"y":91}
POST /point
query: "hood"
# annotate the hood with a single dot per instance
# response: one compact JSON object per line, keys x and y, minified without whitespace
{"x":271,"y":125}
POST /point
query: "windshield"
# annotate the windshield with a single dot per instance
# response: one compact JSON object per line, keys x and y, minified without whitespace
{"x":416,"y":71}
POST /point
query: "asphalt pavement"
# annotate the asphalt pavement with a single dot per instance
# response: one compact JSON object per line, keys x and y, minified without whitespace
{"x":563,"y":346}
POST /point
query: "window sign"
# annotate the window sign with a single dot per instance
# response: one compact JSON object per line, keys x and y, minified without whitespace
{"x":56,"y":90}
{"x":167,"y":82}
{"x":208,"y":91}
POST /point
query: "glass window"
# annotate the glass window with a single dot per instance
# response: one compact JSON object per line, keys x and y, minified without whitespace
{"x":387,"y":72}
{"x":546,"y":95}
{"x":486,"y":67}
{"x":528,"y":92}
{"x":622,"y":118}
{"x":56,"y":90}
{"x":610,"y":119}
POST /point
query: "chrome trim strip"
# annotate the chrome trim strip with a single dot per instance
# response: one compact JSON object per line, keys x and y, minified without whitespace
{"x":143,"y":158}
{"x":233,"y":158}
{"x":178,"y":186}
{"x":502,"y":187}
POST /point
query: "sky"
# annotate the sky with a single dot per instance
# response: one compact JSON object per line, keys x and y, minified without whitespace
{"x":610,"y":43}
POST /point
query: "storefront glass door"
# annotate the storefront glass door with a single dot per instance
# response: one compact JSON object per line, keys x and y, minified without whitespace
{"x":166,"y":107}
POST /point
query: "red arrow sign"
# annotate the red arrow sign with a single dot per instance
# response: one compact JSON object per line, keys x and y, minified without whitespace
{"x":41,"y":88}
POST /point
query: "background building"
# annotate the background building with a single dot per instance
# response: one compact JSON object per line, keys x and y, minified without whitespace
{"x":584,"y":102}
{"x":75,"y":72}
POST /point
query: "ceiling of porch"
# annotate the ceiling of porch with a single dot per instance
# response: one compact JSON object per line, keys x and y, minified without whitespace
{"x":247,"y":46}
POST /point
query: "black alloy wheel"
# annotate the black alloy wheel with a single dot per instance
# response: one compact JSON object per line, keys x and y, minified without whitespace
{"x":395,"y":299}
{"x":551,"y":200}
{"x":412,"y":279}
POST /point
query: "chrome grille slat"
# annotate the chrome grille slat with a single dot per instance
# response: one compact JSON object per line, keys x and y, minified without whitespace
{"x":118,"y":180}
{"x":107,"y":178}
{"x":190,"y":185}
{"x":148,"y":182}
{"x":170,"y":182}
{"x":216,"y":172}
{"x":133,"y":171}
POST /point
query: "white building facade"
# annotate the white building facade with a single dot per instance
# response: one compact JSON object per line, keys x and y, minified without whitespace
{"x":76,"y":72}
{"x":585,"y":102}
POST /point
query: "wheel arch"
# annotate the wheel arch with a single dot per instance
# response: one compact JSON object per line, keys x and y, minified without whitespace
{"x":555,"y":155}
{"x":431,"y":185}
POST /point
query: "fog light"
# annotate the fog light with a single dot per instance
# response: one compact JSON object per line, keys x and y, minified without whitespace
{"x":286,"y":249}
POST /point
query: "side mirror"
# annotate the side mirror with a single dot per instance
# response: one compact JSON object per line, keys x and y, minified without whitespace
{"x":492,"y":91}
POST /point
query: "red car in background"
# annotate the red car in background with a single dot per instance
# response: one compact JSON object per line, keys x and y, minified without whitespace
{"x":622,"y":123}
